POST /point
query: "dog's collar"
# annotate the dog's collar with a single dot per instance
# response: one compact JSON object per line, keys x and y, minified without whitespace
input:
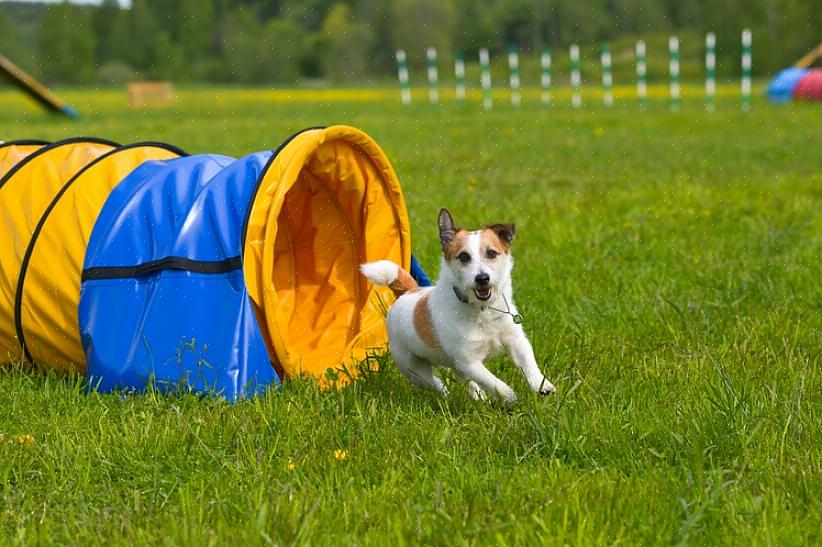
{"x":462,"y":297}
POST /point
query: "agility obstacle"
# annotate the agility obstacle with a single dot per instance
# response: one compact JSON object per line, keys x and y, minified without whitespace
{"x":34,"y":89}
{"x":809,"y":89}
{"x":139,"y":265}
{"x":799,"y":82}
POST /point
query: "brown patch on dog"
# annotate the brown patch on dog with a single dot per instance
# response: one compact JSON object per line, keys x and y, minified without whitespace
{"x":497,"y":237}
{"x":450,"y":250}
{"x":403,"y":284}
{"x":424,"y":323}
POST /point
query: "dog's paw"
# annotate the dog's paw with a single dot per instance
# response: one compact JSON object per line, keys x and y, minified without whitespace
{"x":476,"y":392}
{"x":507,"y":397}
{"x":545,"y":387}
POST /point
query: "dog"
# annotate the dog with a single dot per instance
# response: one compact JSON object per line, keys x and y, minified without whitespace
{"x":465,"y":318}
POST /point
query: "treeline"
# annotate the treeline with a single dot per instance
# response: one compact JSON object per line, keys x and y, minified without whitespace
{"x":283,"y":41}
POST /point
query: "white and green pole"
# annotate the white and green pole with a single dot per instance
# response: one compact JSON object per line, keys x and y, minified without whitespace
{"x":710,"y":71}
{"x":641,"y":74}
{"x":513,"y":66}
{"x":747,"y":38}
{"x":607,"y":77}
{"x":545,"y":62}
{"x":576,"y":78}
{"x":673,"y":69}
{"x":459,"y":73}
{"x":485,"y":78}
{"x":405,"y":87}
{"x":433,"y":90}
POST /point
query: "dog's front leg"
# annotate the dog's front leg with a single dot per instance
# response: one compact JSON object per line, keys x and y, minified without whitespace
{"x":522,"y":354}
{"x":476,"y":371}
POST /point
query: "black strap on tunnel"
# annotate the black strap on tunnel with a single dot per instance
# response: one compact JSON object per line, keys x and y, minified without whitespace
{"x":21,"y":278}
{"x":168,"y":263}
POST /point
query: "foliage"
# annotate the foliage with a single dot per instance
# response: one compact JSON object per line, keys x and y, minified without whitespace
{"x":257,"y":41}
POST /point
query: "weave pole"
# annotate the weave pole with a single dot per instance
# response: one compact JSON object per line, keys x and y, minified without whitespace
{"x":405,"y":87}
{"x":513,"y":66}
{"x":607,"y":77}
{"x":673,"y":69}
{"x":576,"y":78}
{"x":485,"y":78}
{"x":747,"y":38}
{"x":433,"y":90}
{"x":710,"y":72}
{"x":459,"y":74}
{"x":641,"y":71}
{"x":545,"y":62}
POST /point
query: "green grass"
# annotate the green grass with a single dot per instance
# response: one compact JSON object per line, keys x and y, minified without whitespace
{"x":668,"y":268}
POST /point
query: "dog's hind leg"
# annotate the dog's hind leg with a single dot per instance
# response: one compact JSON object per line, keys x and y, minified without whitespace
{"x":418,"y":370}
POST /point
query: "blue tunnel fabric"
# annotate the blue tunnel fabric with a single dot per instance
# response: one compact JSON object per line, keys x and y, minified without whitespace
{"x":418,"y":273}
{"x":163,"y":299}
{"x":782,"y":86}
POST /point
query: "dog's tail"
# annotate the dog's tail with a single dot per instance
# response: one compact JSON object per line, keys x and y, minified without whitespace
{"x":385,"y":272}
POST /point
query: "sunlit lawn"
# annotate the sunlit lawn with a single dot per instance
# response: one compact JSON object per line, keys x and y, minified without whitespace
{"x":668,"y":269}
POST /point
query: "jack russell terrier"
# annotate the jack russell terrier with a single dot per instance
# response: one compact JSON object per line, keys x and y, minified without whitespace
{"x":467,"y":317}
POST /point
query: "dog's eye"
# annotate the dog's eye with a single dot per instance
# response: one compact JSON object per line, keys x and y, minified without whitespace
{"x":491,"y":253}
{"x":464,"y":257}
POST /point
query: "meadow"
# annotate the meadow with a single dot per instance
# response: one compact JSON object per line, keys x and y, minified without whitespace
{"x":668,"y":270}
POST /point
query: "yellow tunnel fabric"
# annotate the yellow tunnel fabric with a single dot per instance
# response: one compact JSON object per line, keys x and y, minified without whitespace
{"x":327,"y":202}
{"x":26,"y":190}
{"x":48,"y":290}
{"x":11,"y":153}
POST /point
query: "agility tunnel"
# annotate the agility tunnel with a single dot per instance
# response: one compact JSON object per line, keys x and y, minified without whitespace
{"x":138,"y":265}
{"x":799,"y":82}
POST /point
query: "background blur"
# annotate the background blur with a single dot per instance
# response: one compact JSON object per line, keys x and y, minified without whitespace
{"x":291,"y":41}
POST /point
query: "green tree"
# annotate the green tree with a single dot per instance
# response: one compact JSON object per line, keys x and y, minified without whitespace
{"x":195,"y":33}
{"x":419,"y":24}
{"x":104,"y":21}
{"x":240,"y":47}
{"x":279,"y":51}
{"x":67,"y":43}
{"x":346,"y":44}
{"x":8,"y":38}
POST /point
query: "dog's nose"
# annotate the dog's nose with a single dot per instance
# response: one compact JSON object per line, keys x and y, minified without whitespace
{"x":482,"y":279}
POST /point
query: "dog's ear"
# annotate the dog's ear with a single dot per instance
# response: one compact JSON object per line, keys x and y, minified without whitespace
{"x":505,"y":232}
{"x":446,"y":224}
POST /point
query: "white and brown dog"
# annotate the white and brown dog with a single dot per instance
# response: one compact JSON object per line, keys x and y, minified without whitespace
{"x":467,"y":317}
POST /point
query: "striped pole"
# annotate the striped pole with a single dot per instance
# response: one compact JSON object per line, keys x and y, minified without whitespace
{"x":641,"y":85}
{"x":459,"y":73}
{"x":513,"y":65}
{"x":485,"y":78}
{"x":545,"y":62}
{"x":747,"y":38}
{"x":433,"y":91}
{"x":576,"y":79}
{"x":405,"y":87}
{"x":607,"y":77}
{"x":673,"y":69}
{"x":710,"y":71}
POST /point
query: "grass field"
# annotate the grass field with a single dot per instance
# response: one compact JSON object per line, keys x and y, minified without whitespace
{"x":668,"y":269}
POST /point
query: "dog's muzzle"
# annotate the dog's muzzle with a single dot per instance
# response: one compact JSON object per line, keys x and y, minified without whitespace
{"x":483,"y":288}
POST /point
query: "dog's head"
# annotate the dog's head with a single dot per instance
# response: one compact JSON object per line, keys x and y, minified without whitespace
{"x":479,"y":262}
